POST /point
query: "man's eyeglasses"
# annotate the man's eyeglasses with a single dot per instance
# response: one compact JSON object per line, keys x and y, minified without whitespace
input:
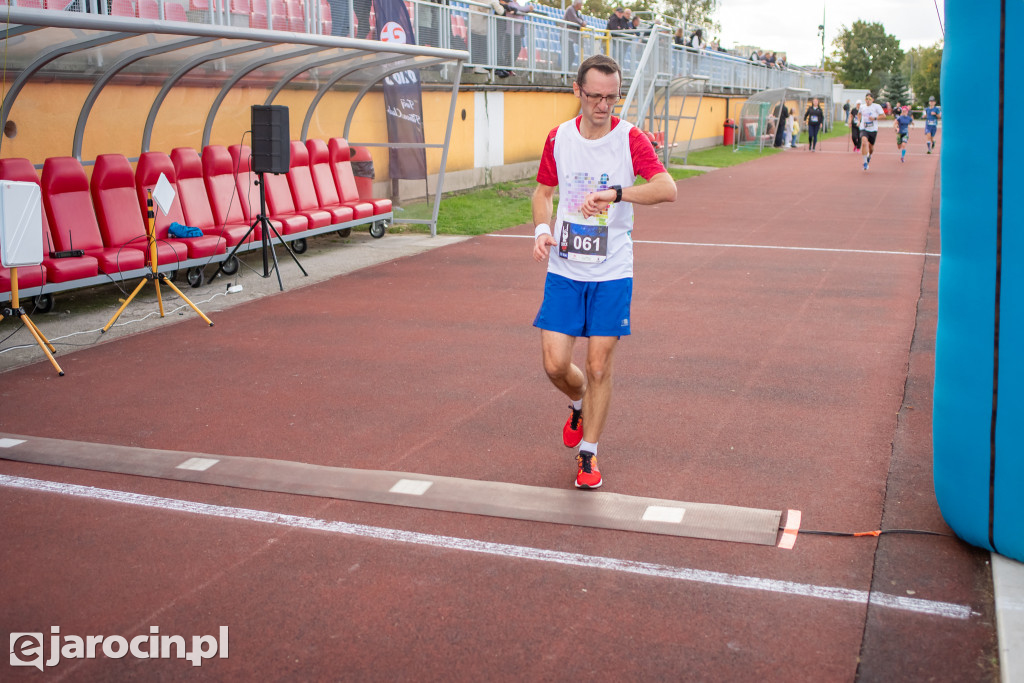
{"x":594,"y":98}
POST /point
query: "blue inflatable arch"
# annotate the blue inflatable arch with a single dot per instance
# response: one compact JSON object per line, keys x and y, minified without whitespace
{"x":978,"y":419}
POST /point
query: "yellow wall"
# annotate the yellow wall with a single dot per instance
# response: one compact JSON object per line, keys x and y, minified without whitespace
{"x":46,"y":115}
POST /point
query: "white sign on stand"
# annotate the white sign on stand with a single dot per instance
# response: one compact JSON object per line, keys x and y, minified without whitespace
{"x":21,"y":224}
{"x":164,"y":193}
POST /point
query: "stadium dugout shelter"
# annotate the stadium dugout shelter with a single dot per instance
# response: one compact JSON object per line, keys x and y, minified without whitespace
{"x":137,"y":84}
{"x":759,"y":117}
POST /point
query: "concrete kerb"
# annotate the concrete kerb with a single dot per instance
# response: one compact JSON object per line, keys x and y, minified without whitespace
{"x":79,"y":315}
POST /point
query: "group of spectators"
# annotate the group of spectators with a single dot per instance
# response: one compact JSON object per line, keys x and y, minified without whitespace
{"x":771,"y":60}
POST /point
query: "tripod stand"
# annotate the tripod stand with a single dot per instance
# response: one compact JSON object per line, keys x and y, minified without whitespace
{"x":265,"y":228}
{"x":155,"y":277}
{"x":16,"y":311}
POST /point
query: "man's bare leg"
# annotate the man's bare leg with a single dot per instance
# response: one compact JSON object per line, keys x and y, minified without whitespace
{"x":600,"y":353}
{"x":563,"y":373}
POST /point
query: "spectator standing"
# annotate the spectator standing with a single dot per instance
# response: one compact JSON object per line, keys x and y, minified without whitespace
{"x":593,"y":160}
{"x":679,"y":38}
{"x":697,"y":39}
{"x":617,"y":21}
{"x":814,"y":116}
{"x":755,"y":56}
{"x":855,"y":126}
{"x":782,"y":125}
{"x":846,"y":113}
{"x":576,"y":23}
{"x":573,"y":16}
{"x":795,"y":132}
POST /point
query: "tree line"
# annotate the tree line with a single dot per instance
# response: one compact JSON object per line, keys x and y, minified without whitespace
{"x":866,"y":56}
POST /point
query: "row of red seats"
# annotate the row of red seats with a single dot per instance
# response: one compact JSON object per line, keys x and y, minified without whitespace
{"x":105,"y":218}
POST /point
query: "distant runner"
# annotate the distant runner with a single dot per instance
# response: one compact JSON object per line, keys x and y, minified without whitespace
{"x":903,"y":124}
{"x":870,"y":113}
{"x":932,"y":114}
{"x":814,"y":117}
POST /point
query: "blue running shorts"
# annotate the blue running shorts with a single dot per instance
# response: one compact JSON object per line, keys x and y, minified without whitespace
{"x":585,"y":309}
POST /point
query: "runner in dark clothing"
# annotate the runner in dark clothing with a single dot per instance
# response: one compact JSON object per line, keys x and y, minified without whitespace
{"x":814,"y":118}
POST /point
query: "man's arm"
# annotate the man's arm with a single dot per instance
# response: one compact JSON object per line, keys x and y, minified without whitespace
{"x":660,"y":188}
{"x":543,"y":207}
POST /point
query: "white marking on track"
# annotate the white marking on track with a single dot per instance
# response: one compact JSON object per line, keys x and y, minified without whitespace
{"x":197,"y":464}
{"x":412,"y":487}
{"x":8,"y":443}
{"x":662,"y":513}
{"x":770,"y":246}
{"x":927,"y":607}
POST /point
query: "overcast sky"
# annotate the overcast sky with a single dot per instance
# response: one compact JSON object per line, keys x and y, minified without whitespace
{"x":791,"y":26}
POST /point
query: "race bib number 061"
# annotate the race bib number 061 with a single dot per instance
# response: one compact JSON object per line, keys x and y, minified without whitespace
{"x":583,"y":243}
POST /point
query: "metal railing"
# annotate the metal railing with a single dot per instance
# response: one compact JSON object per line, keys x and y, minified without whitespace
{"x":537,"y":44}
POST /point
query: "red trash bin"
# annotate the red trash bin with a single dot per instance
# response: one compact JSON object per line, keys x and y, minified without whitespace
{"x":727,"y":136}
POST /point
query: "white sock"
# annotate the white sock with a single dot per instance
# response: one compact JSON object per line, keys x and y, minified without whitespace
{"x":577,"y":405}
{"x":588,"y":447}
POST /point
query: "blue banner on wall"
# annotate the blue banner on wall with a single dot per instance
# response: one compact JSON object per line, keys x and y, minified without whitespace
{"x":403,"y":100}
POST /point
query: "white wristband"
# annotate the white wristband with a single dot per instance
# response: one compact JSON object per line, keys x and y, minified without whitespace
{"x":541,"y":229}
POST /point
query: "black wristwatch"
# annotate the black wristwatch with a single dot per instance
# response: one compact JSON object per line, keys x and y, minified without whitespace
{"x":618,"y":193}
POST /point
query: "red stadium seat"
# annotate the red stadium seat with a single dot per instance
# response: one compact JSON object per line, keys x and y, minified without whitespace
{"x":326,"y":24}
{"x":174,"y":12}
{"x":323,"y":181}
{"x":151,"y":165}
{"x":296,"y":11}
{"x":258,"y":18}
{"x":195,"y":203}
{"x":117,"y":208}
{"x":122,"y":8}
{"x":69,"y":209}
{"x":304,"y":193}
{"x":225,"y":202}
{"x":348,"y":189}
{"x":149,"y":9}
{"x":57,"y":269}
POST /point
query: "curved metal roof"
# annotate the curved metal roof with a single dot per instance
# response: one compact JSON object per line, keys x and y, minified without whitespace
{"x":43,"y":44}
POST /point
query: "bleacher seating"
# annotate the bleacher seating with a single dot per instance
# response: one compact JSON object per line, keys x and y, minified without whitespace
{"x":195,"y":200}
{"x":117,"y":210}
{"x":304,"y":194}
{"x":222,"y":190}
{"x":106,"y":217}
{"x":349,"y":189}
{"x":122,"y":8}
{"x":325,"y":185}
{"x":73,"y":225}
{"x":148,"y":171}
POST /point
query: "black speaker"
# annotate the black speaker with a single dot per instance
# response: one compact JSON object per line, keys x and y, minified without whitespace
{"x":270,"y":140}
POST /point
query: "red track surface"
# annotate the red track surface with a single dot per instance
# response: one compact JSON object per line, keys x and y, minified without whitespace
{"x":774,"y":378}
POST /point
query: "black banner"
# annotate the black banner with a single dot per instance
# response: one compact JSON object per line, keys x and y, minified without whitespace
{"x":403,"y":100}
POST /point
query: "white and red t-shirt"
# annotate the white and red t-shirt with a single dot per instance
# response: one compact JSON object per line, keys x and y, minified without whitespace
{"x":599,"y":248}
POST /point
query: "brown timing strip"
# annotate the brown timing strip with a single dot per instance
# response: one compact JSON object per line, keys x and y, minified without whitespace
{"x":514,"y":501}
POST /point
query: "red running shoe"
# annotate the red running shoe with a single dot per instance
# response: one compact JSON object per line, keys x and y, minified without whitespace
{"x":572,"y":432}
{"x":588,"y":476}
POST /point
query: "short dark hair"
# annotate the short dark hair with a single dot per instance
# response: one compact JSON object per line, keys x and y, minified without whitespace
{"x":602,"y":63}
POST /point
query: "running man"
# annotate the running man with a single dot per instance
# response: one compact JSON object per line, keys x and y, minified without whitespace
{"x":904,"y":122}
{"x":932,"y":114}
{"x":870,"y":113}
{"x":593,"y":159}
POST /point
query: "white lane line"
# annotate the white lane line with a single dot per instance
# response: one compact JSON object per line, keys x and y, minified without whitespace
{"x":769,"y":246}
{"x":929,"y":607}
